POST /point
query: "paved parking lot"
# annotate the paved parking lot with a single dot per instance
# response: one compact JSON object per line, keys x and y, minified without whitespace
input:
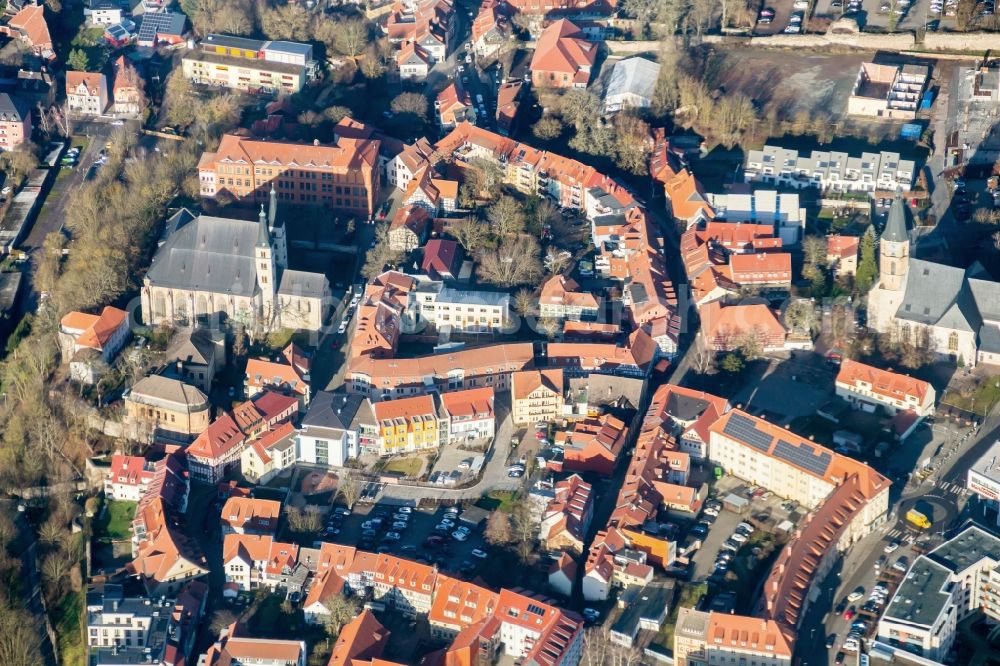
{"x":453,"y":556}
{"x":913,"y":15}
{"x":783,"y":10}
{"x":765,"y":513}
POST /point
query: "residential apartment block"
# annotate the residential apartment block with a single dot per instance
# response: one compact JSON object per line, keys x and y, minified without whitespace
{"x":847,"y":500}
{"x":343,"y":176}
{"x":470,"y":414}
{"x":983,"y":477}
{"x":830,"y":170}
{"x":129,"y":630}
{"x":941,"y":589}
{"x":389,"y":378}
{"x":250,"y":65}
{"x":779,"y":210}
{"x":406,"y":425}
{"x":868,"y":387}
{"x":86,"y":93}
{"x":15,"y":122}
{"x":702,"y":638}
{"x":536,"y":396}
{"x":333,"y":427}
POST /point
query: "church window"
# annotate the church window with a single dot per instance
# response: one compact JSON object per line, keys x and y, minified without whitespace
{"x":953,"y":342}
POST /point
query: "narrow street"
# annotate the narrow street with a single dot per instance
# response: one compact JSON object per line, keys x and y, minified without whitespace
{"x":857,"y":567}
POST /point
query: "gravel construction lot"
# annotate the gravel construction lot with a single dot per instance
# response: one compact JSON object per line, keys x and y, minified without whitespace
{"x":788,"y":83}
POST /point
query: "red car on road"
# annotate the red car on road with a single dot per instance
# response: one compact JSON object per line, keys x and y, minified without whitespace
{"x":850,"y":613}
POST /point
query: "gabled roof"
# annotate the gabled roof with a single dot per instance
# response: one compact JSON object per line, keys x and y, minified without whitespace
{"x":221,"y":436}
{"x":363,"y":638}
{"x":886,"y":383}
{"x":561,"y":48}
{"x":441,"y":256}
{"x":31,"y":22}
{"x":412,"y":217}
{"x":469,"y":403}
{"x":524,"y":382}
{"x":92,"y":81}
{"x":248,"y":512}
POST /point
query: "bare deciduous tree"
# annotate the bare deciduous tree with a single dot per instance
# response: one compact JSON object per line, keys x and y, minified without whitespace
{"x":600,"y":650}
{"x":470,"y":232}
{"x":513,"y":263}
{"x":349,"y":489}
{"x":506,"y":217}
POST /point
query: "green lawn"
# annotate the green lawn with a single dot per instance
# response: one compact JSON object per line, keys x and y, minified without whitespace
{"x":116,"y":520}
{"x":498,"y":499}
{"x":409,"y":467}
{"x":66,"y":618}
{"x":980,"y":400}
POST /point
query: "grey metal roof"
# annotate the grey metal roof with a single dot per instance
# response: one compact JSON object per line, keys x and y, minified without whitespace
{"x":302,"y":283}
{"x":289,"y":47}
{"x":234,"y":42}
{"x":635,"y":76}
{"x":212,"y":254}
{"x":896,"y":225}
{"x":334,"y":411}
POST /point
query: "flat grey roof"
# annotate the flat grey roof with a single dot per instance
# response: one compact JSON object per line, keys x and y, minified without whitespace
{"x":923,"y":595}
{"x":968,"y":547}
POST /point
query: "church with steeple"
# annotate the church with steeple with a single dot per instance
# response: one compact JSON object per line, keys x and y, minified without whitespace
{"x":957,"y":311}
{"x":214,"y":270}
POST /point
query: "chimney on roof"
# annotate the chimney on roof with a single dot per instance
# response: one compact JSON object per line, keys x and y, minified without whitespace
{"x":315,"y":142}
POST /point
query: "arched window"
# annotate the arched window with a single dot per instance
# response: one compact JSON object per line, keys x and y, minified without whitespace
{"x":953,"y":342}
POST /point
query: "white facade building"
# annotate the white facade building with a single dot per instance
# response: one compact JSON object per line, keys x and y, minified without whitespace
{"x":780,"y":210}
{"x":830,"y":170}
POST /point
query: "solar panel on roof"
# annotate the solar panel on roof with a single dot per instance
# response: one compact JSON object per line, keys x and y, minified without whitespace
{"x":154,"y":23}
{"x":743,"y":429}
{"x":803,"y":456}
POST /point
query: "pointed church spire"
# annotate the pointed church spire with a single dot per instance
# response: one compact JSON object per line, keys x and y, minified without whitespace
{"x":895,"y":226}
{"x":263,"y":236}
{"x":272,"y":206}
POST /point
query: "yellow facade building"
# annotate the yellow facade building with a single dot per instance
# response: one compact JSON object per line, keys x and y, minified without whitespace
{"x":409,"y":424}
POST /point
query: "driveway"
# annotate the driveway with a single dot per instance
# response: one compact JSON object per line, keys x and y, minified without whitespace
{"x":52,"y":215}
{"x":494,"y":472}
